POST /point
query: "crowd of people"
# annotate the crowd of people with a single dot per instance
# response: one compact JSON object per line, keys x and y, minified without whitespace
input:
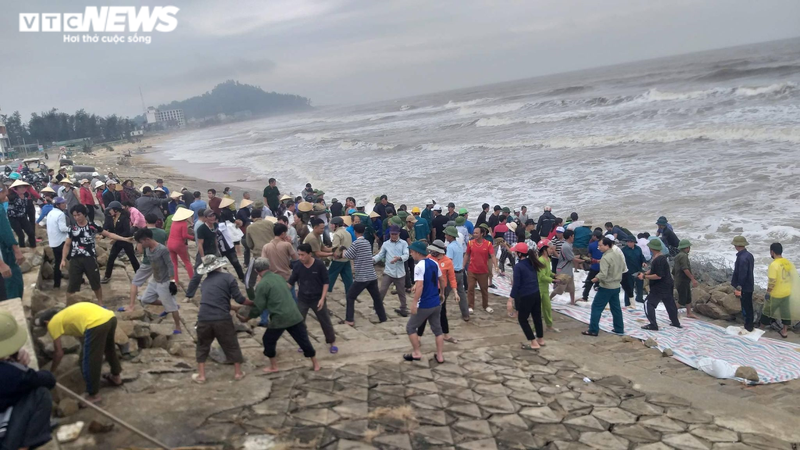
{"x":294,"y":249}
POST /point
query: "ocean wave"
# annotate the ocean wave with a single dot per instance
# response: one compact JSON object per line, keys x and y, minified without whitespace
{"x":361,"y":145}
{"x":453,"y":105}
{"x":730,"y":73}
{"x":491,"y":109}
{"x":313,"y":137}
{"x":546,"y":118}
{"x":777,"y":89}
{"x":566,"y":90}
{"x":787,"y":135}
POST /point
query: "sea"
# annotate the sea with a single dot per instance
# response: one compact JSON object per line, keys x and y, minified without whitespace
{"x":710,"y":140}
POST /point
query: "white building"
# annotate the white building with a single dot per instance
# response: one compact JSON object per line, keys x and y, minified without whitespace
{"x":172,"y":115}
{"x":5,"y":143}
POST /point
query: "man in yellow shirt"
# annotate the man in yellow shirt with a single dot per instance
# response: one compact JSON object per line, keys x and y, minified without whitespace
{"x":96,"y":326}
{"x":777,"y":305}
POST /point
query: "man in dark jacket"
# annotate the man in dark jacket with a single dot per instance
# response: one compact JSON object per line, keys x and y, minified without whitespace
{"x":634,"y":260}
{"x":742,"y":279}
{"x":149,"y":204}
{"x":546,"y":222}
{"x":119,"y":222}
{"x":381,"y":207}
{"x":668,"y":236}
{"x":25,"y":390}
{"x":482,"y":216}
{"x":336,"y":208}
{"x":111,"y":194}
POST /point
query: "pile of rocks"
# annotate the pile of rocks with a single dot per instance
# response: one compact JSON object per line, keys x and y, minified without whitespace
{"x":719,"y":302}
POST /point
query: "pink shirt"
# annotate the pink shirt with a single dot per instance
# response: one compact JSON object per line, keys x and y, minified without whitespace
{"x":137,"y":218}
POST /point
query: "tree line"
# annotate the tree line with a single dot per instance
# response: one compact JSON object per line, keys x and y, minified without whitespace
{"x":55,"y":126}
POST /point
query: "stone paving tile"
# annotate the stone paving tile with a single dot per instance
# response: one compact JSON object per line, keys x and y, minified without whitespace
{"x":520,"y":398}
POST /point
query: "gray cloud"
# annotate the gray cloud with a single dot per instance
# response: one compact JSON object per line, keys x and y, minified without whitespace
{"x":353,"y":51}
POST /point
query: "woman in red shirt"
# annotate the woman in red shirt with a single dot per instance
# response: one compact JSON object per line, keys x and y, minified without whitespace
{"x":176,"y":243}
{"x":87,"y":199}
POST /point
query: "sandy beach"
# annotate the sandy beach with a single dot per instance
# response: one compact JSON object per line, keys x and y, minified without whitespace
{"x":147,"y":163}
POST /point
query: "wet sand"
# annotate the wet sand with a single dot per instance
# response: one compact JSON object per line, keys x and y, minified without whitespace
{"x":148,"y":163}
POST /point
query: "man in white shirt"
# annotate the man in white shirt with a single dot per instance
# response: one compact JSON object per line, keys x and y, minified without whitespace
{"x":57,"y":232}
{"x":642,"y":241}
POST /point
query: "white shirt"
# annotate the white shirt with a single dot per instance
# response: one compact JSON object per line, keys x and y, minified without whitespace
{"x":57,"y":228}
{"x":642,"y":243}
{"x":574,"y":225}
{"x":419,"y":271}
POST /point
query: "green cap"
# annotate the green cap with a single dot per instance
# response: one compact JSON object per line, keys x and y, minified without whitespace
{"x":396,"y":220}
{"x":403,"y":215}
{"x":463,"y":211}
{"x":684,"y":244}
{"x":419,"y":247}
{"x":655,"y":244}
{"x":451,"y":231}
{"x":506,"y":210}
{"x":485,"y":227}
{"x":740,"y":241}
{"x":460,"y":220}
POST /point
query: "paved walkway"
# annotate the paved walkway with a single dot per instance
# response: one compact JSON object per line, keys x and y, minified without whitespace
{"x":489,"y":394}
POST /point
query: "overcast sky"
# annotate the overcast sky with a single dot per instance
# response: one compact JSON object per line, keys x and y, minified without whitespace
{"x":358,"y":51}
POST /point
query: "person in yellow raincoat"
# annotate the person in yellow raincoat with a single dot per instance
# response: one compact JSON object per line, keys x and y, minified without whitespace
{"x":782,"y":302}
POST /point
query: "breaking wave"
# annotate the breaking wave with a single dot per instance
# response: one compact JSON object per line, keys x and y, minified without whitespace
{"x":730,"y":73}
{"x":787,"y":135}
{"x":566,"y":90}
{"x":546,"y":118}
{"x":361,"y":145}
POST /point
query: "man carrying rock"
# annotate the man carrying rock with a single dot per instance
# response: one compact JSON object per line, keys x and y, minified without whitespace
{"x":214,"y":318}
{"x":96,"y":326}
{"x":684,"y":278}
{"x":661,"y":285}
{"x":145,"y":270}
{"x":161,"y":289}
{"x":742,"y":280}
{"x":273,"y":294}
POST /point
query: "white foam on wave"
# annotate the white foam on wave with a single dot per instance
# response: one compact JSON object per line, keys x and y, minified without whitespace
{"x":361,"y":145}
{"x":454,"y":105}
{"x":491,"y":109}
{"x":654,"y":95}
{"x":788,"y":135}
{"x":544,"y":118}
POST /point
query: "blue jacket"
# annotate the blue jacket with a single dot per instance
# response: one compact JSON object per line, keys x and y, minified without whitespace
{"x":743,"y":271}
{"x":46,"y":208}
{"x":634,"y":258}
{"x":526,"y":282}
{"x":595,"y":253}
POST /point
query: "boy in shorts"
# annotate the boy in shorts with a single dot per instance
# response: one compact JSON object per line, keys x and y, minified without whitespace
{"x":161,"y":290}
{"x":83,"y":253}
